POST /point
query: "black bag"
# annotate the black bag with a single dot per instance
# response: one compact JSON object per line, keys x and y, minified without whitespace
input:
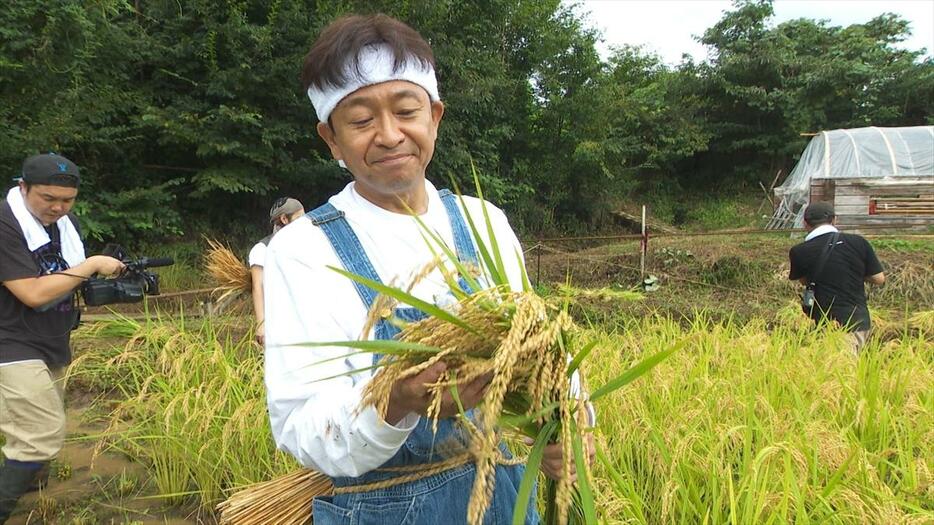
{"x":807,"y":296}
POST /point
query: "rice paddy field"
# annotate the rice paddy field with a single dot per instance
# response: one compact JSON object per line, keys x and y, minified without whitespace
{"x":758,"y":418}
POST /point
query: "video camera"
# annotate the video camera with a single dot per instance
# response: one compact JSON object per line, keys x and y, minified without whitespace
{"x":132,"y":284}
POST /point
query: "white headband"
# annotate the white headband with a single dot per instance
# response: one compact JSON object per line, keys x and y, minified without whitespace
{"x":374,"y":67}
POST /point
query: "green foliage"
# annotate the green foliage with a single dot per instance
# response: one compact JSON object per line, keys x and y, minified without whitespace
{"x":765,"y":85}
{"x":717,"y":213}
{"x":904,"y":245}
{"x":188,"y":117}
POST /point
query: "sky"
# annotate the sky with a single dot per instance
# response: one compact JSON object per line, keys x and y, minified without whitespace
{"x":668,"y":27}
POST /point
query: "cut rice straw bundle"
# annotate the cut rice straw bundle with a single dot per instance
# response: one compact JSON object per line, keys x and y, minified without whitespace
{"x":282,"y":501}
{"x":228,"y":271}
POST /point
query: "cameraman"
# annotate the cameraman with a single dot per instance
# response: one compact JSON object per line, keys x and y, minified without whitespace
{"x":41,"y":263}
{"x":837,"y":265}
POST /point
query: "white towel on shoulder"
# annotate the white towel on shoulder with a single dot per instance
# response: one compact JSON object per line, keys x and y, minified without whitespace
{"x":36,"y":236}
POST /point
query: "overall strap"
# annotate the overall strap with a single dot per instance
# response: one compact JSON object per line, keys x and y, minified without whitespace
{"x":463,"y":242}
{"x":347,"y":247}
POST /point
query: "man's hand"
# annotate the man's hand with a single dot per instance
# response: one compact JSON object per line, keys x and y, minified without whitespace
{"x":414,"y":395}
{"x":106,"y":266}
{"x":37,"y":291}
{"x":553,"y":458}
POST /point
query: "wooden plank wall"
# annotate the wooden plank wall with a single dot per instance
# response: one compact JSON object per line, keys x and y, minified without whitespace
{"x":822,"y":190}
{"x":851,"y":198}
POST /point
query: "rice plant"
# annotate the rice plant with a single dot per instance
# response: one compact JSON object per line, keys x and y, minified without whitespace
{"x":191,"y":404}
{"x":767,"y":426}
{"x":750,"y":423}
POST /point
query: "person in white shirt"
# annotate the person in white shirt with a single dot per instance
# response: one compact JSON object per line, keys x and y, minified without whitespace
{"x":371,"y":81}
{"x":284,"y":210}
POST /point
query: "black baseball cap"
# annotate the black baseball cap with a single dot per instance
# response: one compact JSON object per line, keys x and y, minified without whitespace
{"x":817,"y":212}
{"x":52,"y":169}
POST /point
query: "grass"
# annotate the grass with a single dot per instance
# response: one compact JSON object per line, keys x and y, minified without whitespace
{"x":759,"y":419}
{"x":903,"y":245}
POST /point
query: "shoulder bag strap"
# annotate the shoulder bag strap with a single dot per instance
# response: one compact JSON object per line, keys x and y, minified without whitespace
{"x":825,"y":254}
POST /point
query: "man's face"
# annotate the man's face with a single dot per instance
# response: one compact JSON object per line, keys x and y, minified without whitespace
{"x":48,"y":203}
{"x":386,"y":134}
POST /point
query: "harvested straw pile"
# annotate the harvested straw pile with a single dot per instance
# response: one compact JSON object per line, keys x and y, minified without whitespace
{"x":228,"y":271}
{"x":283,"y":501}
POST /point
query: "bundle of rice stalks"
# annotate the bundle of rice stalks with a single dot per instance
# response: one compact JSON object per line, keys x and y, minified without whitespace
{"x":228,"y":271}
{"x":520,"y":341}
{"x":283,"y":501}
{"x":885,"y":324}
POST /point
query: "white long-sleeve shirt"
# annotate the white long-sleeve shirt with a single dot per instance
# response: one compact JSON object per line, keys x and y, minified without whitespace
{"x":307,"y":302}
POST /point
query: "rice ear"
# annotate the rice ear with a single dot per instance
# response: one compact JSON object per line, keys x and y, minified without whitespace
{"x":229,"y":272}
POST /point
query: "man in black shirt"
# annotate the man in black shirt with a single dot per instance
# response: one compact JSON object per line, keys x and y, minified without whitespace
{"x":839,"y":290}
{"x":41,"y":263}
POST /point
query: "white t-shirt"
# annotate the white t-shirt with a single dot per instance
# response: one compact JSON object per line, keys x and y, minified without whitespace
{"x":257,"y":255}
{"x":305,"y":301}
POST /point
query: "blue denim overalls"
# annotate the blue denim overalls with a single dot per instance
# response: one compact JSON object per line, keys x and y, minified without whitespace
{"x":440,"y":498}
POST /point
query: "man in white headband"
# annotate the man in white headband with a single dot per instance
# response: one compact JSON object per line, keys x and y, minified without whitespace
{"x":371,"y":80}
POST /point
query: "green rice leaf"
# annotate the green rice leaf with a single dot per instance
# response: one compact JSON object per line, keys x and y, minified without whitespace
{"x":382,"y":346}
{"x":409,"y":299}
{"x":488,"y":263}
{"x":838,"y":475}
{"x":583,"y":481}
{"x":533,"y":464}
{"x":451,"y":257}
{"x":526,"y":283}
{"x":347,"y":373}
{"x":579,"y":358}
{"x":520,"y":421}
{"x":452,"y":283}
{"x":497,"y":257}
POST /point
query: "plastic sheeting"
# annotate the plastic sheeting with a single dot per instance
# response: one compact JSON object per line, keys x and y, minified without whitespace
{"x":883,"y":153}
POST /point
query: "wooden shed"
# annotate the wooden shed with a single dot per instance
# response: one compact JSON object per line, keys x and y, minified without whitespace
{"x":873,"y":176}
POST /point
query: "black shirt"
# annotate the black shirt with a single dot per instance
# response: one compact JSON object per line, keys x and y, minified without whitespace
{"x":839,"y":288}
{"x":27,"y":333}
